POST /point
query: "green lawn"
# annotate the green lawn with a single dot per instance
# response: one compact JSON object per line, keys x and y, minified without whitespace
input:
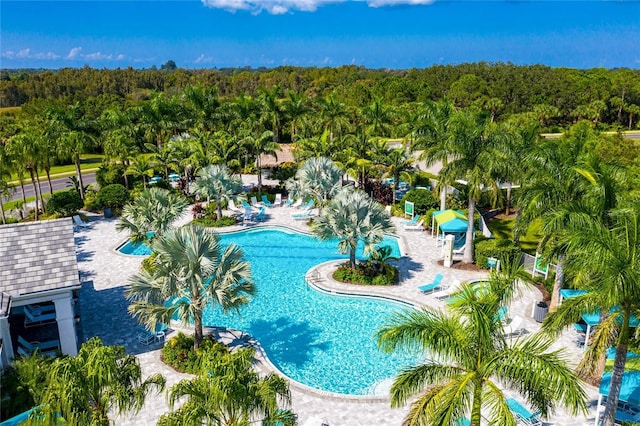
{"x":87,"y":162}
{"x":503,"y":228}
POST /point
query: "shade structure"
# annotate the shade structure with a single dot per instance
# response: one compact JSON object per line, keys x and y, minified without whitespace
{"x":450,"y":222}
{"x":629,"y":390}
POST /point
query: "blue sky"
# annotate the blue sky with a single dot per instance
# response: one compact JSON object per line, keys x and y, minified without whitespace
{"x":270,"y":33}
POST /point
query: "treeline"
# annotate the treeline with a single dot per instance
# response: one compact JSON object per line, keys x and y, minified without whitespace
{"x":561,"y":96}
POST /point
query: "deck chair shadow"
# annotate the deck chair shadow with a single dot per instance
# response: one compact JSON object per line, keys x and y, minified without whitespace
{"x":515,"y":327}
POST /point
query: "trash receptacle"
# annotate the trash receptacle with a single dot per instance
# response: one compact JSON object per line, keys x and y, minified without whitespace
{"x":540,"y":311}
{"x":107,"y":212}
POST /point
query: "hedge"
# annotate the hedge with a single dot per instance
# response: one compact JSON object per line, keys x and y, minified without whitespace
{"x":504,"y":250}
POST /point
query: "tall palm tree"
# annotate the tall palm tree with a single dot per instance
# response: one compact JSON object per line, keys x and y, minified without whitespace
{"x":193,"y":270}
{"x":270,"y":110}
{"x":202,"y":106}
{"x":377,"y":118}
{"x":471,"y":155}
{"x":333,"y":115}
{"x":5,"y":176}
{"x":159,"y":118}
{"x":222,"y":148}
{"x":100,"y":380}
{"x":140,"y":167}
{"x":433,"y":132}
{"x":229,"y":391}
{"x":397,"y":161}
{"x":119,"y":138}
{"x":470,"y":361}
{"x":352,"y":216}
{"x":256,"y":145}
{"x":151,"y":214}
{"x":603,"y":259}
{"x":215,"y":182}
{"x":25,"y":146}
{"x":75,"y":132}
{"x":295,"y":107}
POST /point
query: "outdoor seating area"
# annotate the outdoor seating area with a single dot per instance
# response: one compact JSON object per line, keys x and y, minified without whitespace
{"x":432,"y":286}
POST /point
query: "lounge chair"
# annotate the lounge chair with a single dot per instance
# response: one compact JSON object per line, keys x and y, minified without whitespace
{"x":261,"y":215}
{"x":463,"y":421}
{"x":522,"y":414}
{"x":266,"y":201}
{"x":296,"y":204}
{"x":38,"y":316}
{"x":459,"y":251}
{"x":232,"y":206}
{"x":288,"y":203}
{"x":278,"y":201}
{"x":302,"y":216}
{"x":414,"y":227}
{"x":515,"y":327}
{"x":78,"y":222}
{"x":255,"y":203}
{"x":29,"y":347}
{"x":145,"y":337}
{"x":413,"y":221}
{"x":432,"y":286}
{"x":502,"y":313}
{"x":309,"y":205}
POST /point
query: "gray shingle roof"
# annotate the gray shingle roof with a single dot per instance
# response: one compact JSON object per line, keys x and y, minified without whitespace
{"x":37,"y":256}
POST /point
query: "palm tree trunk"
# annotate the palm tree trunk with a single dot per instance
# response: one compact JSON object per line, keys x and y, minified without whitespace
{"x":616,"y":375}
{"x":44,"y":207}
{"x":48,"y":172}
{"x":443,"y":198}
{"x":197,"y":332}
{"x":468,"y":244}
{"x":509,"y":185}
{"x":557,"y":283}
{"x":352,"y":258}
{"x":476,"y":405}
{"x":24,"y":197}
{"x":219,"y":205}
{"x":35,"y":190}
{"x":259,"y":176}
{"x":4,"y":219}
{"x":76,"y":161}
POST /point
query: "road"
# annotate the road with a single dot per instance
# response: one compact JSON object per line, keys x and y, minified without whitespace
{"x":57,"y":183}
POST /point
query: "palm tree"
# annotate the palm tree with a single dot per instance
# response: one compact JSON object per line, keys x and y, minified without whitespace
{"x":222,"y":148}
{"x":433,"y":132}
{"x":100,"y":380}
{"x":471,"y":155}
{"x":295,"y":106}
{"x":333,"y":115}
{"x":270,"y":111}
{"x":470,"y":361}
{"x":377,"y":118}
{"x":140,"y":167}
{"x":25,"y":146}
{"x":256,"y":145}
{"x":5,"y":176}
{"x":202,"y":105}
{"x":318,"y":177}
{"x":603,"y":259}
{"x":74,"y":130}
{"x":397,"y":161}
{"x":351,"y":217}
{"x":228,"y":391}
{"x":215,"y":182}
{"x":151,"y":214}
{"x":192,"y":271}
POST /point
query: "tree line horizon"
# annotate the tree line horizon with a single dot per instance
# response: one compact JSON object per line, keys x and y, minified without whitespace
{"x":558,"y":97}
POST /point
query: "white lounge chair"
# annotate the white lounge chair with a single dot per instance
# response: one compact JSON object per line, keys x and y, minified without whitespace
{"x":232,"y":206}
{"x":77,"y":221}
{"x":414,"y":227}
{"x":296,"y":203}
{"x":278,"y":201}
{"x":255,"y":203}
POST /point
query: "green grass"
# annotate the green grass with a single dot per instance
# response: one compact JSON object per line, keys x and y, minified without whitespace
{"x":503,"y":228}
{"x":87,"y":162}
{"x":9,"y":205}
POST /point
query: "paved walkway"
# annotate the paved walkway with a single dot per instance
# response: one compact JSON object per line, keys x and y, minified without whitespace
{"x":104,"y":314}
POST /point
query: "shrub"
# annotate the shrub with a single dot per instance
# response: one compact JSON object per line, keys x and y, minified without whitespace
{"x":178,"y":352}
{"x":504,"y":250}
{"x":285,"y":171}
{"x":422,"y":200}
{"x":110,"y":173}
{"x":65,"y":203}
{"x":197,"y":210}
{"x":366,"y":274}
{"x":423,"y":179}
{"x":114,"y":196}
{"x":381,"y":193}
{"x":209,"y":222}
{"x":148,"y":263}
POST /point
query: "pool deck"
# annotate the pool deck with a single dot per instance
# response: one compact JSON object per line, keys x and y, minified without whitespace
{"x":104,"y":313}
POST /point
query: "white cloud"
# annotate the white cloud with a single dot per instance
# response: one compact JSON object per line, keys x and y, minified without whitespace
{"x":97,"y":56}
{"x":74,"y":53}
{"x":274,"y":7}
{"x":26,"y":54}
{"x":279,"y":7}
{"x":380,"y":3}
{"x":203,"y":59}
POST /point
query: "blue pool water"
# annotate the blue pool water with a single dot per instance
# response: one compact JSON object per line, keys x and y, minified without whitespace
{"x":323,"y":341}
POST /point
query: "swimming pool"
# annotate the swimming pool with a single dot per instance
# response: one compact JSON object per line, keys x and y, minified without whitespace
{"x":321,"y":340}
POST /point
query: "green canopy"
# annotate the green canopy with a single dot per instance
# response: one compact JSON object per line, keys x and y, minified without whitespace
{"x":444,"y":216}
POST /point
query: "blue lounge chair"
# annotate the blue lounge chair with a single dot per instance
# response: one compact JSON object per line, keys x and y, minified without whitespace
{"x":502,"y":313}
{"x":302,"y":216}
{"x":432,"y":286}
{"x":309,"y":205}
{"x":266,"y":201}
{"x":261,"y":214}
{"x":34,"y":316}
{"x":413,"y":220}
{"x":463,"y":421}
{"x":27,"y":348}
{"x":522,"y":414}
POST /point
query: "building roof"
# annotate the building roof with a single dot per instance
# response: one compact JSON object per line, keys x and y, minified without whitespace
{"x":37,"y":256}
{"x":284,"y":155}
